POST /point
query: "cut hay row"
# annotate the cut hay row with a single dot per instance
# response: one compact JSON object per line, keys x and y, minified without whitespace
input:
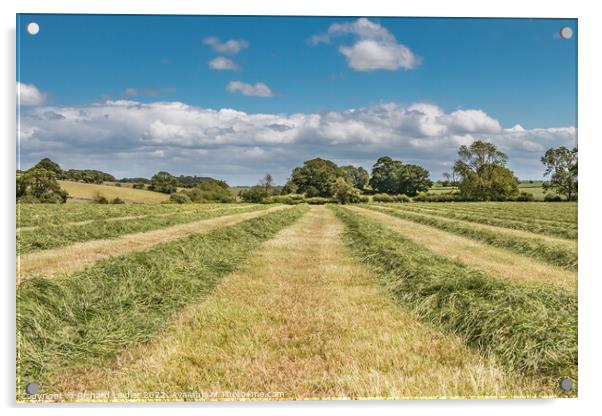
{"x":62,"y":261}
{"x":34,"y":215}
{"x":531,"y":329}
{"x":497,"y":262}
{"x":556,"y":211}
{"x":137,"y":217}
{"x":551,"y":229}
{"x":515,"y":221}
{"x":561,"y":255}
{"x":48,"y":237}
{"x":88,"y":317}
{"x":562,"y":242}
{"x":302,"y":318}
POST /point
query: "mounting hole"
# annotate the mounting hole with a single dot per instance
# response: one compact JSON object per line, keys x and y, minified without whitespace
{"x":566,"y":32}
{"x":566,"y":384}
{"x":33,"y":28}
{"x":32,"y":388}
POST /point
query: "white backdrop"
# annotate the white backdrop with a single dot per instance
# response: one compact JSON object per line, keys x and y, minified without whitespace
{"x":590,"y":288}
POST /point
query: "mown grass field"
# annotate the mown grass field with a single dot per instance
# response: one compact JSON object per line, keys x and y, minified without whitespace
{"x":365,"y":301}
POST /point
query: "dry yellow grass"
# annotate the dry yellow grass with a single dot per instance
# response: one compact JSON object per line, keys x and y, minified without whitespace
{"x":302,"y":318}
{"x":496,"y":262}
{"x":87,"y":191}
{"x":65,"y":260}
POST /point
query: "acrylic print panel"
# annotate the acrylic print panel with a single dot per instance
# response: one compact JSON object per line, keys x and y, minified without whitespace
{"x":281,"y":208}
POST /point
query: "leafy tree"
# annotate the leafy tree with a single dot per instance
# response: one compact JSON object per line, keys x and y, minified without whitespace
{"x":87,"y":176}
{"x":317,"y":177}
{"x":561,"y":166}
{"x":479,"y":154}
{"x":191,"y":181}
{"x":498,"y":185}
{"x":358,"y":176}
{"x":40,"y":185}
{"x":164,"y":182}
{"x":209,"y":191}
{"x":254,"y":194}
{"x":393,"y":177}
{"x":345,"y":193}
{"x":483,"y":173}
{"x":50,"y":166}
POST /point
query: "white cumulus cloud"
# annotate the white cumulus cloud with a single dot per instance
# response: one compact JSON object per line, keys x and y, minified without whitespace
{"x":229,"y":47}
{"x":29,"y":94}
{"x":223,"y":64}
{"x":375,"y":47}
{"x":126,"y":137}
{"x":258,"y":89}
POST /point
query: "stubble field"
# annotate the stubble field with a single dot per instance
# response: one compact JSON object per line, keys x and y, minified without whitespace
{"x":297,"y":302}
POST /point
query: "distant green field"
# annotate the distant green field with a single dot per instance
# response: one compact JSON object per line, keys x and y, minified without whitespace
{"x":534,"y":188}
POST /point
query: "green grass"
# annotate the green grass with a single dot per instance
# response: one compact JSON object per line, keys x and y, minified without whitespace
{"x":558,"y":212}
{"x":565,"y":212}
{"x":547,"y":252}
{"x":530,"y":328}
{"x":534,"y":189}
{"x":83,"y":319}
{"x":526,"y":223}
{"x":53,"y":236}
{"x":35,"y":215}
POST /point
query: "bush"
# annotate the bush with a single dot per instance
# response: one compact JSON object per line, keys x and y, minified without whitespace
{"x":138,"y":186}
{"x":255,"y":194}
{"x":364,"y":199}
{"x":291,"y":199}
{"x":117,"y":200}
{"x":39,"y":185}
{"x":552,"y":198}
{"x":382,"y":198}
{"x":179,"y":198}
{"x":318,"y":200}
{"x":390,"y":198}
{"x":523,"y":197}
{"x":442,"y":197}
{"x":209,"y":191}
{"x":100,"y":199}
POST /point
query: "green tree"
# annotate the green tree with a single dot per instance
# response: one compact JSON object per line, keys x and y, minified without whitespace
{"x":498,"y":185}
{"x":394,"y":177}
{"x":50,"y":166}
{"x":483,"y":173}
{"x":358,"y":175}
{"x":40,"y":185}
{"x":317,"y":177}
{"x":561,"y":167}
{"x":164,"y":182}
{"x":254,"y":194}
{"x":209,"y":191}
{"x":345,"y":193}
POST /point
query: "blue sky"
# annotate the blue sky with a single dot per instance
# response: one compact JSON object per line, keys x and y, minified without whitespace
{"x":432,"y":73}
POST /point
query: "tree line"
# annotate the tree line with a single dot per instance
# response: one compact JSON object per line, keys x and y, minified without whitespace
{"x":479,"y":174}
